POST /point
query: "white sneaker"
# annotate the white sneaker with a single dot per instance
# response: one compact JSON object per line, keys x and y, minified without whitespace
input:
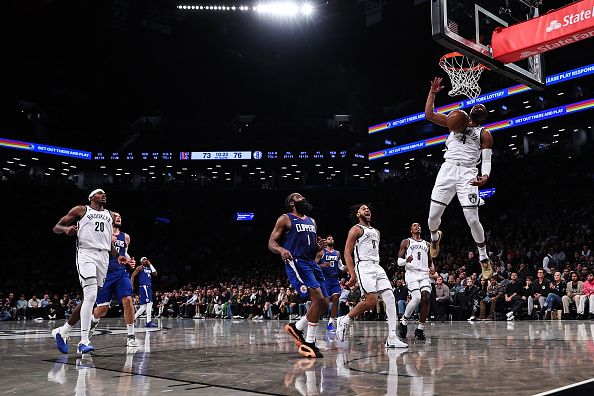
{"x":472,"y":318}
{"x":509,"y":314}
{"x":511,"y":317}
{"x":394,"y":342}
{"x":341,"y":328}
{"x":131,"y":341}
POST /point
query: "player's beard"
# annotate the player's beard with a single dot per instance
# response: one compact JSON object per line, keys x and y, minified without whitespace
{"x":303,"y":207}
{"x":116,"y":225}
{"x":330,"y":245}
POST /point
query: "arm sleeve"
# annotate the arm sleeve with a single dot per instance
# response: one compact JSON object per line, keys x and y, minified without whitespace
{"x":153,"y":269}
{"x":341,"y":265}
{"x":401,"y":262}
{"x":486,"y":161}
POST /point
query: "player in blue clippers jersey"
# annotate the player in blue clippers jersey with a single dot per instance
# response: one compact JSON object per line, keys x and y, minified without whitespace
{"x":295,"y":239}
{"x":117,"y":283}
{"x":145,"y":272}
{"x":331,"y":264}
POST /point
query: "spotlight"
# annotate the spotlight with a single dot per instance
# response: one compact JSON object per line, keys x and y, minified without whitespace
{"x":307,"y":9}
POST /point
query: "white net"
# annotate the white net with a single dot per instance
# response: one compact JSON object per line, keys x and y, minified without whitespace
{"x":464,"y":74}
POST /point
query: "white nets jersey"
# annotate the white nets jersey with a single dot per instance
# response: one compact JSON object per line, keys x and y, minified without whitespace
{"x":95,"y":229}
{"x":465,"y":147}
{"x":419,"y":250}
{"x":367,"y":246}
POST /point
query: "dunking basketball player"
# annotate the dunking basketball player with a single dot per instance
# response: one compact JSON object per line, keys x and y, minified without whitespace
{"x":93,"y":230}
{"x":414,"y":256}
{"x":363,"y":241}
{"x":300,"y":244}
{"x":331,"y":265}
{"x":117,"y":282}
{"x":459,"y":175}
{"x":145,"y":272}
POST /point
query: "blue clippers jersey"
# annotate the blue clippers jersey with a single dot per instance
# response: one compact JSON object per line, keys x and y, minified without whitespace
{"x":302,"y":239}
{"x":114,"y":265}
{"x":332,"y":270}
{"x":144,"y":276}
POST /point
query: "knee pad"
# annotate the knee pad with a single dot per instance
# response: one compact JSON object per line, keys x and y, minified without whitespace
{"x":476,"y":228}
{"x":388,"y":297}
{"x":415,"y":297}
{"x":90,"y":293}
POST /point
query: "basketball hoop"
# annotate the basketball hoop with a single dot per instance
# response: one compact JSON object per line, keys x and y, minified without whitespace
{"x":464,"y":74}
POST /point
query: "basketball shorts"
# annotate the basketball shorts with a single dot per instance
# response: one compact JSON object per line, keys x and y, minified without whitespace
{"x":417,"y":280}
{"x":453,"y":180}
{"x":372,"y":277}
{"x":332,"y":286}
{"x":91,"y":265}
{"x":116,"y":284}
{"x":146,"y":294}
{"x":304,"y":274}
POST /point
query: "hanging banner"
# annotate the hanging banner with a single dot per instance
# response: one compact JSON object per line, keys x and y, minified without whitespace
{"x":556,"y":29}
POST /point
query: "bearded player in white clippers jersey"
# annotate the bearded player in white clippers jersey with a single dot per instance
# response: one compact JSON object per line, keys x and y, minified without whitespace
{"x":459,"y":175}
{"x":414,"y":256}
{"x":363,"y":243}
{"x":93,"y":226}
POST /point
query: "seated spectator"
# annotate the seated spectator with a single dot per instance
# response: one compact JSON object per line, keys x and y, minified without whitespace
{"x":442,"y":299}
{"x":21,"y":308}
{"x":469,"y":297}
{"x":354,"y":297}
{"x":46,"y":305}
{"x":575,"y":292}
{"x":400,"y":294}
{"x":493,"y":293}
{"x":513,"y":297}
{"x":589,"y":293}
{"x":343,"y":307}
{"x":557,"y":290}
{"x":527,"y":295}
{"x":540,"y":289}
{"x":34,"y":310}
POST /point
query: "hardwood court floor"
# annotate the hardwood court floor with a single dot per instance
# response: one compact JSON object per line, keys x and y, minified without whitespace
{"x":224,"y":357}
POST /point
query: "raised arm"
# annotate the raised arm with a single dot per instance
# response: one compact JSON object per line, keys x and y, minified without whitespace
{"x":65,"y":226}
{"x":354,"y":233}
{"x":283,"y":224}
{"x":430,"y":114}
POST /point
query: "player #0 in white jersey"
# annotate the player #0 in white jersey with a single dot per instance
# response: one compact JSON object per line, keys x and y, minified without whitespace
{"x":417,"y":270}
{"x":93,"y":244}
{"x":372,"y":277}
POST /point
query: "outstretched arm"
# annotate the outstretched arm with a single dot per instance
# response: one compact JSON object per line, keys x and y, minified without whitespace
{"x":430,"y":114}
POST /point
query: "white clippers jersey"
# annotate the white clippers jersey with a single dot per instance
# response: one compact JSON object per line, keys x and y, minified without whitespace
{"x":367,"y":246}
{"x":419,"y":250}
{"x":95,"y":229}
{"x":464,"y":147}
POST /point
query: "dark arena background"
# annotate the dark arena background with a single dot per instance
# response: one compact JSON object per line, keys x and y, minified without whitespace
{"x":197,"y":119}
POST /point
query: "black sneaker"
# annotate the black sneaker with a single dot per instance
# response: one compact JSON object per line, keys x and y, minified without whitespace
{"x":402,"y":330}
{"x":310,"y":350}
{"x":420,"y":334}
{"x":296,"y":334}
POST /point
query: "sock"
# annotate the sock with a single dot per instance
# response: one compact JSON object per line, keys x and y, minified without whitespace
{"x":130,"y":329}
{"x":421,"y":326}
{"x":331,"y":321}
{"x":404,"y":320}
{"x":94,"y":319}
{"x":434,"y":236}
{"x":149,"y":311}
{"x":483,"y":253}
{"x":65,"y":330}
{"x":301,"y":324}
{"x":312,"y":329}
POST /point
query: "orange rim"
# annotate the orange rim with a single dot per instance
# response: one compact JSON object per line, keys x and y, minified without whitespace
{"x":455,"y":54}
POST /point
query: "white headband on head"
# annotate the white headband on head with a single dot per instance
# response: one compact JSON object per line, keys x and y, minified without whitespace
{"x":98,"y":190}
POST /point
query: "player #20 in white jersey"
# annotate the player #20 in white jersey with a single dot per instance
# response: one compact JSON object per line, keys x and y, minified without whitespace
{"x":419,"y":250}
{"x":367,"y":245}
{"x":95,"y":229}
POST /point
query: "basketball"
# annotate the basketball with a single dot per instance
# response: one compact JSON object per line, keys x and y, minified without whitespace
{"x":457,"y":120}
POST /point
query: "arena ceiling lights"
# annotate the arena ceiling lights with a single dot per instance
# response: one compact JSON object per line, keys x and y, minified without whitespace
{"x":273,"y":8}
